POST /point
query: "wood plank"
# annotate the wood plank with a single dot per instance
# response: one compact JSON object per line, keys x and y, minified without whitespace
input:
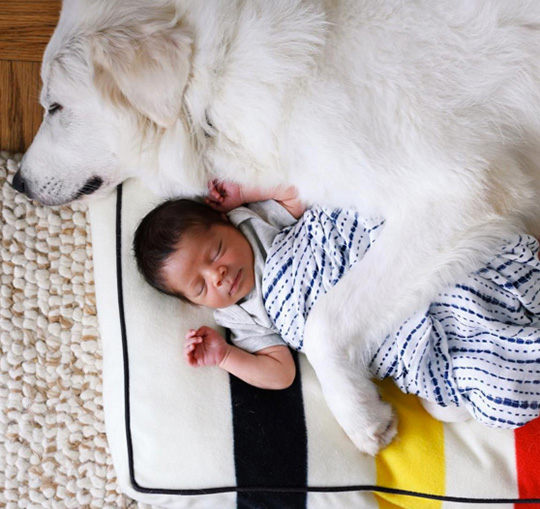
{"x":25,"y":28}
{"x":20,"y":112}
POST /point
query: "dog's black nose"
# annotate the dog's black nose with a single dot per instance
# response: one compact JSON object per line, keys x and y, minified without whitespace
{"x":18,"y":183}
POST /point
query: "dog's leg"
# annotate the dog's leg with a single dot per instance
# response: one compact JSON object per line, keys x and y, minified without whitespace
{"x":340,"y":337}
{"x":351,"y":395}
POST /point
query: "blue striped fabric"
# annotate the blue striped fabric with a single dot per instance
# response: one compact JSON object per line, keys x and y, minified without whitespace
{"x":307,"y":259}
{"x":477,"y":345}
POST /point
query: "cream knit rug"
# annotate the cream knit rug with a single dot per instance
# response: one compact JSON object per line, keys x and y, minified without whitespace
{"x":53,"y":448}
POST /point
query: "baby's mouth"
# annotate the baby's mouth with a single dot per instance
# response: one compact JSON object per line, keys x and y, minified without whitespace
{"x":235,"y":283}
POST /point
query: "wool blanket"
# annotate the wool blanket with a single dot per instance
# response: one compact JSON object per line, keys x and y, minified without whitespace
{"x":188,"y":437}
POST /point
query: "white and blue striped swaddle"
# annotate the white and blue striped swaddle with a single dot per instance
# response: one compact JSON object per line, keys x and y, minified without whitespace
{"x":478,"y":343}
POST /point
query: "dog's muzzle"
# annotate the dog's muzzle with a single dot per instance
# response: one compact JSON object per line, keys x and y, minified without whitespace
{"x":91,"y":186}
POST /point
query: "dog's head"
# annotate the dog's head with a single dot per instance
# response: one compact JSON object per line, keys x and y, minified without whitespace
{"x":112,"y":70}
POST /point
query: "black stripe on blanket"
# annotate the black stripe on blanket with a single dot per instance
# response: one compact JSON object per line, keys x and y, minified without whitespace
{"x":270,"y":444}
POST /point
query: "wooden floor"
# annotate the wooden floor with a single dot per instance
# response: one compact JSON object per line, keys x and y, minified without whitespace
{"x":25,"y":28}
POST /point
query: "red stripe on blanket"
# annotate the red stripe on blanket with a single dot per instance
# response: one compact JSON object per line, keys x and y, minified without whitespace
{"x":528,"y":462}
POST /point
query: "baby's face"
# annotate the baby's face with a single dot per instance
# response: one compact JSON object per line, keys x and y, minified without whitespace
{"x":212,"y":268}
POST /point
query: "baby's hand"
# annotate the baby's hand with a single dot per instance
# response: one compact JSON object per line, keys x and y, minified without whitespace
{"x":224,"y":196}
{"x":204,"y":347}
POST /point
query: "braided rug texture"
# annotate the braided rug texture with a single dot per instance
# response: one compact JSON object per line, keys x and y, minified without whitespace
{"x":53,"y":448}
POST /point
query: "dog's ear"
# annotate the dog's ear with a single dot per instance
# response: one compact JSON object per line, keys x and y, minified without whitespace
{"x":146,"y":68}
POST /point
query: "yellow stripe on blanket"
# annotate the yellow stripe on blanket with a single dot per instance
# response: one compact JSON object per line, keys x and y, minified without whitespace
{"x":414,"y":461}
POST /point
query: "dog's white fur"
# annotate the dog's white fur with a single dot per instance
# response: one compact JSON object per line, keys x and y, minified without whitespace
{"x":425,"y":112}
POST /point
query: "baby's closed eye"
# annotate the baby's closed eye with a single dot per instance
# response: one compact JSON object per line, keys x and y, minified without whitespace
{"x":200,"y":288}
{"x":217,"y":253}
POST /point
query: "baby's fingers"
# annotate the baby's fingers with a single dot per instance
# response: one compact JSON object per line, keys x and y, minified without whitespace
{"x":190,"y":354}
{"x":192,"y":341}
{"x":215,"y":204}
{"x":215,"y":190}
{"x":190,"y":333}
{"x":215,"y":195}
{"x":191,"y":344}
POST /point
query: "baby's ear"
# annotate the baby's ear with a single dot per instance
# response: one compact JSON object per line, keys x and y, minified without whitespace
{"x":145,"y":69}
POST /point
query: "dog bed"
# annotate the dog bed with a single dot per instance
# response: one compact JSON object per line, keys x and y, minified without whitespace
{"x":183,"y":437}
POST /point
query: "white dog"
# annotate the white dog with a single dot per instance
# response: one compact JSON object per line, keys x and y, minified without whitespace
{"x":425,"y":112}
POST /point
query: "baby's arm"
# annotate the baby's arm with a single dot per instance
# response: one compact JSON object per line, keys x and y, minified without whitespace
{"x":270,"y":368}
{"x":225,"y":196}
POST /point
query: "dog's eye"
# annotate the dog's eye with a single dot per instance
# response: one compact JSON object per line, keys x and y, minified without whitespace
{"x":208,"y":121}
{"x":210,"y":131}
{"x":53,"y":108}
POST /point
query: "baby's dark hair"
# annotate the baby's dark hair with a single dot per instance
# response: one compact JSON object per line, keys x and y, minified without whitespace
{"x":160,"y":231}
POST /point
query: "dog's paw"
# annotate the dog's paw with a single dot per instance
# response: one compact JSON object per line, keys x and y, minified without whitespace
{"x":379,"y":433}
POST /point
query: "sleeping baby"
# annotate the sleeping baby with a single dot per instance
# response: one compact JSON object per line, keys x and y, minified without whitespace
{"x":475,"y":350}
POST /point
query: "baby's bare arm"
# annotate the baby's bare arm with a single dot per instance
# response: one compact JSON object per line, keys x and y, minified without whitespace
{"x":270,"y":368}
{"x":225,"y":196}
{"x":288,"y":198}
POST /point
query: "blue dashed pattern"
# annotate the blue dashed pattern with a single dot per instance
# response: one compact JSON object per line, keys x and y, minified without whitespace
{"x":478,"y":344}
{"x":307,"y":259}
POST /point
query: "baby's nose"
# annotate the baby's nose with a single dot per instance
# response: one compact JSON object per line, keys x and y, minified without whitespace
{"x":219,"y":275}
